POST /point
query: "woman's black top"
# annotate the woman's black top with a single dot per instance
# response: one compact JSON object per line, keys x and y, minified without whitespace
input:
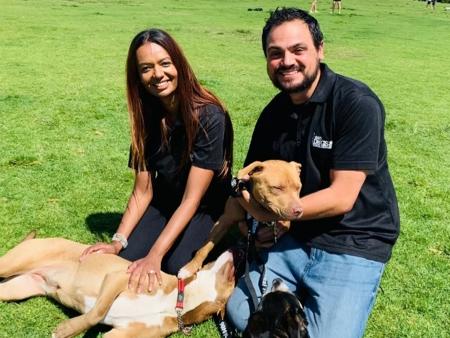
{"x":169,"y":177}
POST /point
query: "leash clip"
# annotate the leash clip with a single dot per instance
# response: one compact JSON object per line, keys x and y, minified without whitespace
{"x":179,"y":308}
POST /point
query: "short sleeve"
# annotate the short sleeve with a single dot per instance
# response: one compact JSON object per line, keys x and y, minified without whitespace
{"x":208,"y":147}
{"x":358,"y":134}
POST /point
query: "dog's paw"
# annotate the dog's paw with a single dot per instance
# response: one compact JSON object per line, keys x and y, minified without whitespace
{"x":188,"y":270}
{"x":63,"y":330}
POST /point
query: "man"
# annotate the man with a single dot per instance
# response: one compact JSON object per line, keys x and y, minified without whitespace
{"x":334,"y":256}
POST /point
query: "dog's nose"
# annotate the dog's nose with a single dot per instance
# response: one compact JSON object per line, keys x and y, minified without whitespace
{"x":279,"y":285}
{"x":276,"y":283}
{"x":297,"y":211}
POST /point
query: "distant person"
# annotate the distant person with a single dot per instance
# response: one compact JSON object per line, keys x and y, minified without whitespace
{"x":432,"y":3}
{"x":336,"y":5}
{"x":313,"y":8}
{"x":335,"y":254}
{"x":181,"y":154}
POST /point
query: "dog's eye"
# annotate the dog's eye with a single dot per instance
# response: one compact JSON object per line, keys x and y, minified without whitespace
{"x":278,"y":188}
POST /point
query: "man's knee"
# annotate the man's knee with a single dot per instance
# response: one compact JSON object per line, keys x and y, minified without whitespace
{"x":238,"y":310}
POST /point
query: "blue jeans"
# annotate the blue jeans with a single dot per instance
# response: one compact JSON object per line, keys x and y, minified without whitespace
{"x":339,"y":289}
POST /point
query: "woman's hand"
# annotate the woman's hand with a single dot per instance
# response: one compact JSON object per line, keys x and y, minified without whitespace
{"x":108,"y":248}
{"x":145,"y":274}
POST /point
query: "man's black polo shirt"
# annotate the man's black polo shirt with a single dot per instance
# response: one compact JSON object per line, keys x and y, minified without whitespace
{"x":341,"y":127}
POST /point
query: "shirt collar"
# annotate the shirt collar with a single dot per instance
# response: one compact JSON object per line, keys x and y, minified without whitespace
{"x":323,"y":89}
{"x":325,"y":85}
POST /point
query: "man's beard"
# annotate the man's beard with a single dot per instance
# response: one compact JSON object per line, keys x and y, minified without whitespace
{"x":302,"y":86}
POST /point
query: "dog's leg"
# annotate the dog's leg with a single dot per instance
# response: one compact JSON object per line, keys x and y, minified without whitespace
{"x":113,"y":284}
{"x":139,"y":330}
{"x":15,"y":260}
{"x":116,"y":333}
{"x":34,"y":253}
{"x":203,"y":312}
{"x":120,"y":333}
{"x":21,"y":287}
{"x":136,"y":332}
{"x":232,"y":214}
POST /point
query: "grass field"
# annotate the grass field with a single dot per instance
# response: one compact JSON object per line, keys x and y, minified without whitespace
{"x":64,"y":134}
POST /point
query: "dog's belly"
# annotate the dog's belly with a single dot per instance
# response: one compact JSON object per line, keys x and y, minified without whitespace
{"x":150,"y":310}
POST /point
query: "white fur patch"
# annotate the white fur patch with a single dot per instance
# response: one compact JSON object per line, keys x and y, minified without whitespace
{"x":183,"y":273}
{"x":142,"y":308}
{"x":203,"y":288}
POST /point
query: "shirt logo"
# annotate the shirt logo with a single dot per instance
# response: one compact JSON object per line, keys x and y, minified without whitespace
{"x":318,"y":142}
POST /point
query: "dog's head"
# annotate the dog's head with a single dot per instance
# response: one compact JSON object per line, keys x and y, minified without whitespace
{"x":207,"y":292}
{"x":276,"y":186}
{"x":280,"y":315}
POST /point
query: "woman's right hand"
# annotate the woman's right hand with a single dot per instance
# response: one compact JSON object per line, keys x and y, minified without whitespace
{"x":108,"y":248}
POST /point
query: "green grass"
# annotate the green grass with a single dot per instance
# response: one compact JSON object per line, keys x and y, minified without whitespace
{"x":64,"y":132}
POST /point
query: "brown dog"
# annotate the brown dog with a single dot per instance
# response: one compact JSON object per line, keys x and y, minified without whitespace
{"x":275,"y":185}
{"x":97,"y":288}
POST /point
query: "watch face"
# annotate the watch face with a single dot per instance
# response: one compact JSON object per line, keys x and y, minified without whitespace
{"x":234,"y":182}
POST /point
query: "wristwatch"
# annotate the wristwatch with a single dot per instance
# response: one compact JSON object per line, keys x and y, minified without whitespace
{"x":237,"y":185}
{"x":121,"y":239}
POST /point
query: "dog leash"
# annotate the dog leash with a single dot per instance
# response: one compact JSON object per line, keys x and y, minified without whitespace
{"x":251,"y":254}
{"x":237,"y":186}
{"x":179,"y":308}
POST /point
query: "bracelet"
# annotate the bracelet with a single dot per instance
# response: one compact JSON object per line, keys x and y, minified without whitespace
{"x":121,"y":239}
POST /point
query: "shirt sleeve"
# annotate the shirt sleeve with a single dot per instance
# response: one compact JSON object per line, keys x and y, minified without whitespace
{"x":261,"y":144}
{"x":358,"y":134}
{"x":259,"y":148}
{"x":207,"y":152}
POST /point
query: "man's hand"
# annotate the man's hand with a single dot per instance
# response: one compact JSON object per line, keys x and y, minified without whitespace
{"x":253,"y":207}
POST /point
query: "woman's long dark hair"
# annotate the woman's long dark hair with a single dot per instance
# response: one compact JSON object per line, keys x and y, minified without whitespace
{"x":191,"y":96}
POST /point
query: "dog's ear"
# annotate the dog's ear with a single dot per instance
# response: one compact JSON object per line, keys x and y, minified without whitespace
{"x":296,"y":165}
{"x":295,"y":324}
{"x":257,"y":326}
{"x":251,"y":169}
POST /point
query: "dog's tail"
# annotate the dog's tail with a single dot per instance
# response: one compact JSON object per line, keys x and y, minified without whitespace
{"x":31,"y":235}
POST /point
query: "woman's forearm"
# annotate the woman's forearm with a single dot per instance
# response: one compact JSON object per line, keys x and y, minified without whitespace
{"x":196,"y":186}
{"x":137,"y":203}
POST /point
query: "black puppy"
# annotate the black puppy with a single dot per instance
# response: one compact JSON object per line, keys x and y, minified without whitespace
{"x":279,"y":315}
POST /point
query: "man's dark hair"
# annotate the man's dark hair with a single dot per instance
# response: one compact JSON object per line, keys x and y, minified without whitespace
{"x":284,"y":14}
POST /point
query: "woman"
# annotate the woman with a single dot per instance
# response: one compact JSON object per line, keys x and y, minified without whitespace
{"x":181,"y":151}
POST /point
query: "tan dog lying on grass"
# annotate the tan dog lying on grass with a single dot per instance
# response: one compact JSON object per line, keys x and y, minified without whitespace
{"x":274,"y":185}
{"x":97,"y":287}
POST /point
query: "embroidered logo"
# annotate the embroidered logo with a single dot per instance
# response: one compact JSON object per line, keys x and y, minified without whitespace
{"x":318,"y":142}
